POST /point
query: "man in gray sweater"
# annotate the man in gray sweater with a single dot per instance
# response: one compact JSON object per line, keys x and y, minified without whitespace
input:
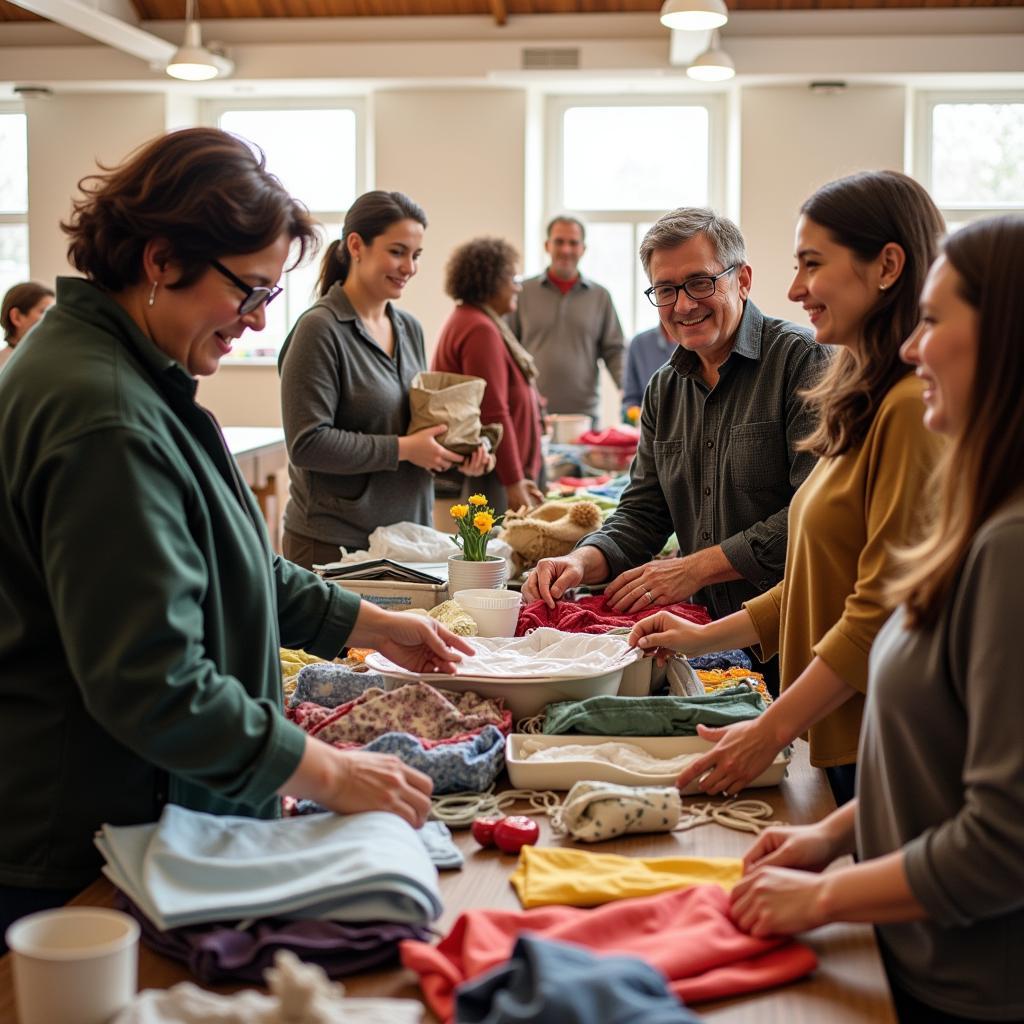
{"x":568,"y":324}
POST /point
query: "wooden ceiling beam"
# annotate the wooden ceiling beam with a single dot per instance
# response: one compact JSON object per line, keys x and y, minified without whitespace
{"x":499,"y":11}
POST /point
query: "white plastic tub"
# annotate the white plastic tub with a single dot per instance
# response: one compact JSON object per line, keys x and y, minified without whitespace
{"x":561,"y":775}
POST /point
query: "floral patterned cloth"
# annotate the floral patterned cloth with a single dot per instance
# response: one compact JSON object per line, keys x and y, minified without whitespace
{"x":417,"y":708}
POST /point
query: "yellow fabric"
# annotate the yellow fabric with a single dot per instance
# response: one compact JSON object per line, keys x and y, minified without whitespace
{"x":843,"y":521}
{"x":292,"y":662}
{"x":720,"y":678}
{"x":549,"y":875}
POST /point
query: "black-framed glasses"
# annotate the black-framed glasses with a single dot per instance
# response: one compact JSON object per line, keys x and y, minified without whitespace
{"x":696,"y":287}
{"x":257,"y":296}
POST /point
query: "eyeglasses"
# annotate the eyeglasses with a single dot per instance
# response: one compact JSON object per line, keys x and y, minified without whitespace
{"x":261,"y":295}
{"x":696,"y":287}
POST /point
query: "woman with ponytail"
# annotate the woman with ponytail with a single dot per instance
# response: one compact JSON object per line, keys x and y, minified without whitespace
{"x":346,"y":368}
{"x":938,"y":822}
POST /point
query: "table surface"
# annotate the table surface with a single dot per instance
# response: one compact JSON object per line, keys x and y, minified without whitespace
{"x":248,"y":440}
{"x":848,"y":986}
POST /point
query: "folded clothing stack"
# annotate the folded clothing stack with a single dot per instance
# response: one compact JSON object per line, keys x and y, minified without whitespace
{"x":191,"y":867}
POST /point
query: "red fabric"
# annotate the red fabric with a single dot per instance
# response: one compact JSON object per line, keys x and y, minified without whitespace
{"x":470,"y":343}
{"x":592,"y":615}
{"x":612,"y":437}
{"x":687,"y":935}
{"x":563,"y":286}
{"x":576,"y":482}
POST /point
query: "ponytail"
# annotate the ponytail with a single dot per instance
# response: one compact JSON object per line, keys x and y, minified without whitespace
{"x":334,"y":266}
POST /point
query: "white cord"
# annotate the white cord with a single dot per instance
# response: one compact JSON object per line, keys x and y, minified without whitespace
{"x":459,"y":810}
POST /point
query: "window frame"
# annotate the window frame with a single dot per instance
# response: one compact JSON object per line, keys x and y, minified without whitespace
{"x":924,"y":105}
{"x":556,"y":106}
{"x":210,"y":114}
{"x":18,"y":219}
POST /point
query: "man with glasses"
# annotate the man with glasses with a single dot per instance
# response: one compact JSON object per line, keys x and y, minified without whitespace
{"x":717,"y":461}
{"x":568,"y":324}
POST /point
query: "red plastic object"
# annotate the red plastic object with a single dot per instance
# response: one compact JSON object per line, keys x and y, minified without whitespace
{"x":511,"y":834}
{"x":483,"y":830}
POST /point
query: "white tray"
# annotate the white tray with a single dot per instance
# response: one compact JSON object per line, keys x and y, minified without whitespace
{"x":559,"y":775}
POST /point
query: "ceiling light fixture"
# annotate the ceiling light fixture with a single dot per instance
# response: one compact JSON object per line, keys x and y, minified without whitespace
{"x":694,"y":15}
{"x":193,"y":62}
{"x":713,"y":65}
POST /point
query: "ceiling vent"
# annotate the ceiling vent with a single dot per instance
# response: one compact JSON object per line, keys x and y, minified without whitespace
{"x":550,"y":58}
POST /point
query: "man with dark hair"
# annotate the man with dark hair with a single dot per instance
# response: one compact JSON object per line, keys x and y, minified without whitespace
{"x":718,"y":461}
{"x":568,"y":324}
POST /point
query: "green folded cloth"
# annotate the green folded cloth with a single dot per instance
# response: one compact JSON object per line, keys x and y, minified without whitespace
{"x":652,"y":716}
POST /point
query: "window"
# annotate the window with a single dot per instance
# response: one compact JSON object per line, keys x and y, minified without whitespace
{"x":315,"y":149}
{"x":619,"y":165}
{"x":970,"y":152}
{"x":13,"y":198}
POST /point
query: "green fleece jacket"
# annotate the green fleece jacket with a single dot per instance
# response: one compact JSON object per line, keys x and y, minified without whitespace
{"x":141,"y":606}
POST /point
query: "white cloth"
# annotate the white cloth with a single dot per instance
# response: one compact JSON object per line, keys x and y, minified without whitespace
{"x":411,"y":542}
{"x":627,"y":756}
{"x":544,"y":653}
{"x":192,"y":867}
{"x":601,"y":810}
{"x":301,"y":994}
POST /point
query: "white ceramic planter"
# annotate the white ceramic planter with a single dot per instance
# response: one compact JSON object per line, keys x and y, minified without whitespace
{"x":491,"y":574}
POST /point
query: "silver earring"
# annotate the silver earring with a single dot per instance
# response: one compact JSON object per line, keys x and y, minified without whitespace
{"x":152,"y":294}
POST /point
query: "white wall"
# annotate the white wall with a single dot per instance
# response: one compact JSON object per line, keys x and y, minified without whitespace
{"x":67,"y":136}
{"x":459,"y":154}
{"x":793,"y":141}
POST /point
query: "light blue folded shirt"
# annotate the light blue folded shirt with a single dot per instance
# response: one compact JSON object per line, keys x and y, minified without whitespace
{"x":192,"y":867}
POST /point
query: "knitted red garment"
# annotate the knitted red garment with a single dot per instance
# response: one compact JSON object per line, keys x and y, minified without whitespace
{"x":687,"y":935}
{"x":592,"y":615}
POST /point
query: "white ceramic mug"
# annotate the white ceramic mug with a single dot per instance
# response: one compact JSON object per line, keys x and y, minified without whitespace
{"x":73,"y":965}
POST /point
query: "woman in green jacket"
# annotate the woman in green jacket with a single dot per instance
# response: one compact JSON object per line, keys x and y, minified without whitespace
{"x":141,"y":605}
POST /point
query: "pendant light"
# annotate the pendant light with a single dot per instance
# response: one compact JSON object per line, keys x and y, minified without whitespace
{"x":694,"y":15}
{"x":193,"y":62}
{"x":713,"y":65}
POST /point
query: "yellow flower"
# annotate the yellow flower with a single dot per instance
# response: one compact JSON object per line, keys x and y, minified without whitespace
{"x":633,"y":414}
{"x":483,"y":521}
{"x":477,"y":499}
{"x":459,"y":511}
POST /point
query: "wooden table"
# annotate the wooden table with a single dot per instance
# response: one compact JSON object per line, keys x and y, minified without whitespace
{"x":263,"y":459}
{"x":849,"y":985}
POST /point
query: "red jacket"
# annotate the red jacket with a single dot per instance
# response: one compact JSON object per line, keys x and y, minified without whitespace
{"x":470,"y":343}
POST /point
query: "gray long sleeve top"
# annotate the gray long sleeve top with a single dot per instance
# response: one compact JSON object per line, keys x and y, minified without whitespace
{"x":344,"y":404}
{"x":941,"y":777}
{"x":719,"y":465}
{"x":568,"y":335}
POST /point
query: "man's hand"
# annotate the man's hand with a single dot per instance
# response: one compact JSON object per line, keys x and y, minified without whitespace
{"x":665,"y":581}
{"x":523,"y":493}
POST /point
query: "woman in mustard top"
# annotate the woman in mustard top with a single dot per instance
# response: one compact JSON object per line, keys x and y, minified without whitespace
{"x":863,"y":247}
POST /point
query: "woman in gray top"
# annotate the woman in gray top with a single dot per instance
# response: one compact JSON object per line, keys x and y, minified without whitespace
{"x":345,"y":369}
{"x":939,"y":819}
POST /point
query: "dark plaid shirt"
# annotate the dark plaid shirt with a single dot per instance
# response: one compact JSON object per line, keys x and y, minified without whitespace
{"x":718,"y":465}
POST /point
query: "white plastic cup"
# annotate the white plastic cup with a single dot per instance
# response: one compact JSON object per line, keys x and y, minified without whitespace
{"x":73,"y":965}
{"x":495,"y":612}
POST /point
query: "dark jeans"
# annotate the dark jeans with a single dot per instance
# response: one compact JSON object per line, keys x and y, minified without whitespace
{"x":15,"y":903}
{"x":842,"y":781}
{"x":307,"y":552}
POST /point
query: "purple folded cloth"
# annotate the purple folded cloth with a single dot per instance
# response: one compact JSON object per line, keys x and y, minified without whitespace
{"x":219,"y":952}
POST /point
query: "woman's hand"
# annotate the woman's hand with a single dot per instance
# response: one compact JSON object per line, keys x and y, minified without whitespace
{"x":479,"y":463}
{"x":664,"y":634}
{"x":421,"y":449}
{"x":416,"y":642}
{"x":778,"y":901}
{"x":741,"y":752}
{"x":523,"y":493}
{"x":350,"y":781}
{"x":807,"y":847}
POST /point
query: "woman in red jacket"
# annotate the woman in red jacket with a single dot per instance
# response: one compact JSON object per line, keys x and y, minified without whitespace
{"x":476,"y":341}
